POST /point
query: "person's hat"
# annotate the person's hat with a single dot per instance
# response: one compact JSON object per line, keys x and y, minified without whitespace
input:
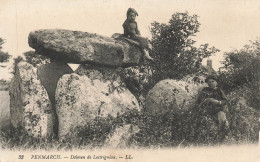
{"x":131,"y":10}
{"x":214,"y":77}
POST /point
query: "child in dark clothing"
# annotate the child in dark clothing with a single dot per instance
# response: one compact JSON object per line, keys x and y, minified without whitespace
{"x":214,"y":100}
{"x":130,"y":25}
{"x":132,"y":34}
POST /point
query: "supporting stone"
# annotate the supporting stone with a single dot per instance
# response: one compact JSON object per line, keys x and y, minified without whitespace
{"x":98,"y":92}
{"x":30,"y":106}
{"x":49,"y":75}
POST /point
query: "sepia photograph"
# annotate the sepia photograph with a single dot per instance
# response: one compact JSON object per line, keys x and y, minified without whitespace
{"x":130,"y":80}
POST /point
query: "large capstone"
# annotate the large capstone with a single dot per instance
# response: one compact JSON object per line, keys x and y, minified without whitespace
{"x":30,"y":106}
{"x":82,"y":47}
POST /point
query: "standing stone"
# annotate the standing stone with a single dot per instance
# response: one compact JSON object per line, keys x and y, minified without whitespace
{"x":5,"y":118}
{"x":82,"y":47}
{"x":49,"y":75}
{"x":98,"y":92}
{"x":170,"y":95}
{"x":30,"y":105}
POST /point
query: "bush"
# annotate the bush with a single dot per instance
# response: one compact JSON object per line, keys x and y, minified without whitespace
{"x":4,"y":85}
{"x":4,"y":57}
{"x":138,"y":80}
{"x":35,"y":59}
{"x":244,"y":120}
{"x":94,"y":134}
{"x":242,"y":68}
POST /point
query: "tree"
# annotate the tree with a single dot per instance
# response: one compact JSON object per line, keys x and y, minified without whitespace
{"x":174,"y":52}
{"x":35,"y":59}
{"x":175,"y":49}
{"x":4,"y":57}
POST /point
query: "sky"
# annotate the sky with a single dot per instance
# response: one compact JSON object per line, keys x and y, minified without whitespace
{"x":225,"y":24}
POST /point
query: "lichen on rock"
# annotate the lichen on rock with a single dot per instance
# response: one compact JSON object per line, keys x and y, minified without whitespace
{"x":30,"y":105}
{"x":95,"y":92}
{"x":83,"y":47}
{"x":171,"y":94}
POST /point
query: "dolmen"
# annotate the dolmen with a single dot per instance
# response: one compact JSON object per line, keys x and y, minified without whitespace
{"x":54,"y":99}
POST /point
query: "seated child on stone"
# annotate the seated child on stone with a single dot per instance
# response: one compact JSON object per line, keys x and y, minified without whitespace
{"x":132,"y":34}
{"x":213,"y":100}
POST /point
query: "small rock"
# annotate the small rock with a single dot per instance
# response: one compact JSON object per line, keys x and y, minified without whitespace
{"x":121,"y":136}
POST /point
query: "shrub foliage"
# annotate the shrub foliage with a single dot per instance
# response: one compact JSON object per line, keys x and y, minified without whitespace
{"x":242,"y":69}
{"x":4,"y":57}
{"x":175,"y":49}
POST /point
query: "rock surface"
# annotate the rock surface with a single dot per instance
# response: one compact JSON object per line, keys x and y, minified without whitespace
{"x":98,"y":92}
{"x":5,"y":118}
{"x":49,"y":75}
{"x":82,"y":47}
{"x":121,"y":137}
{"x":30,"y":105}
{"x":171,"y":94}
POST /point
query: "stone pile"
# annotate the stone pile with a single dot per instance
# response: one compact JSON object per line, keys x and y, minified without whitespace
{"x":52,"y":98}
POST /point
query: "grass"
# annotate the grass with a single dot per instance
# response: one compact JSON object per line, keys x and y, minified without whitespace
{"x":183,"y":129}
{"x":164,"y":131}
